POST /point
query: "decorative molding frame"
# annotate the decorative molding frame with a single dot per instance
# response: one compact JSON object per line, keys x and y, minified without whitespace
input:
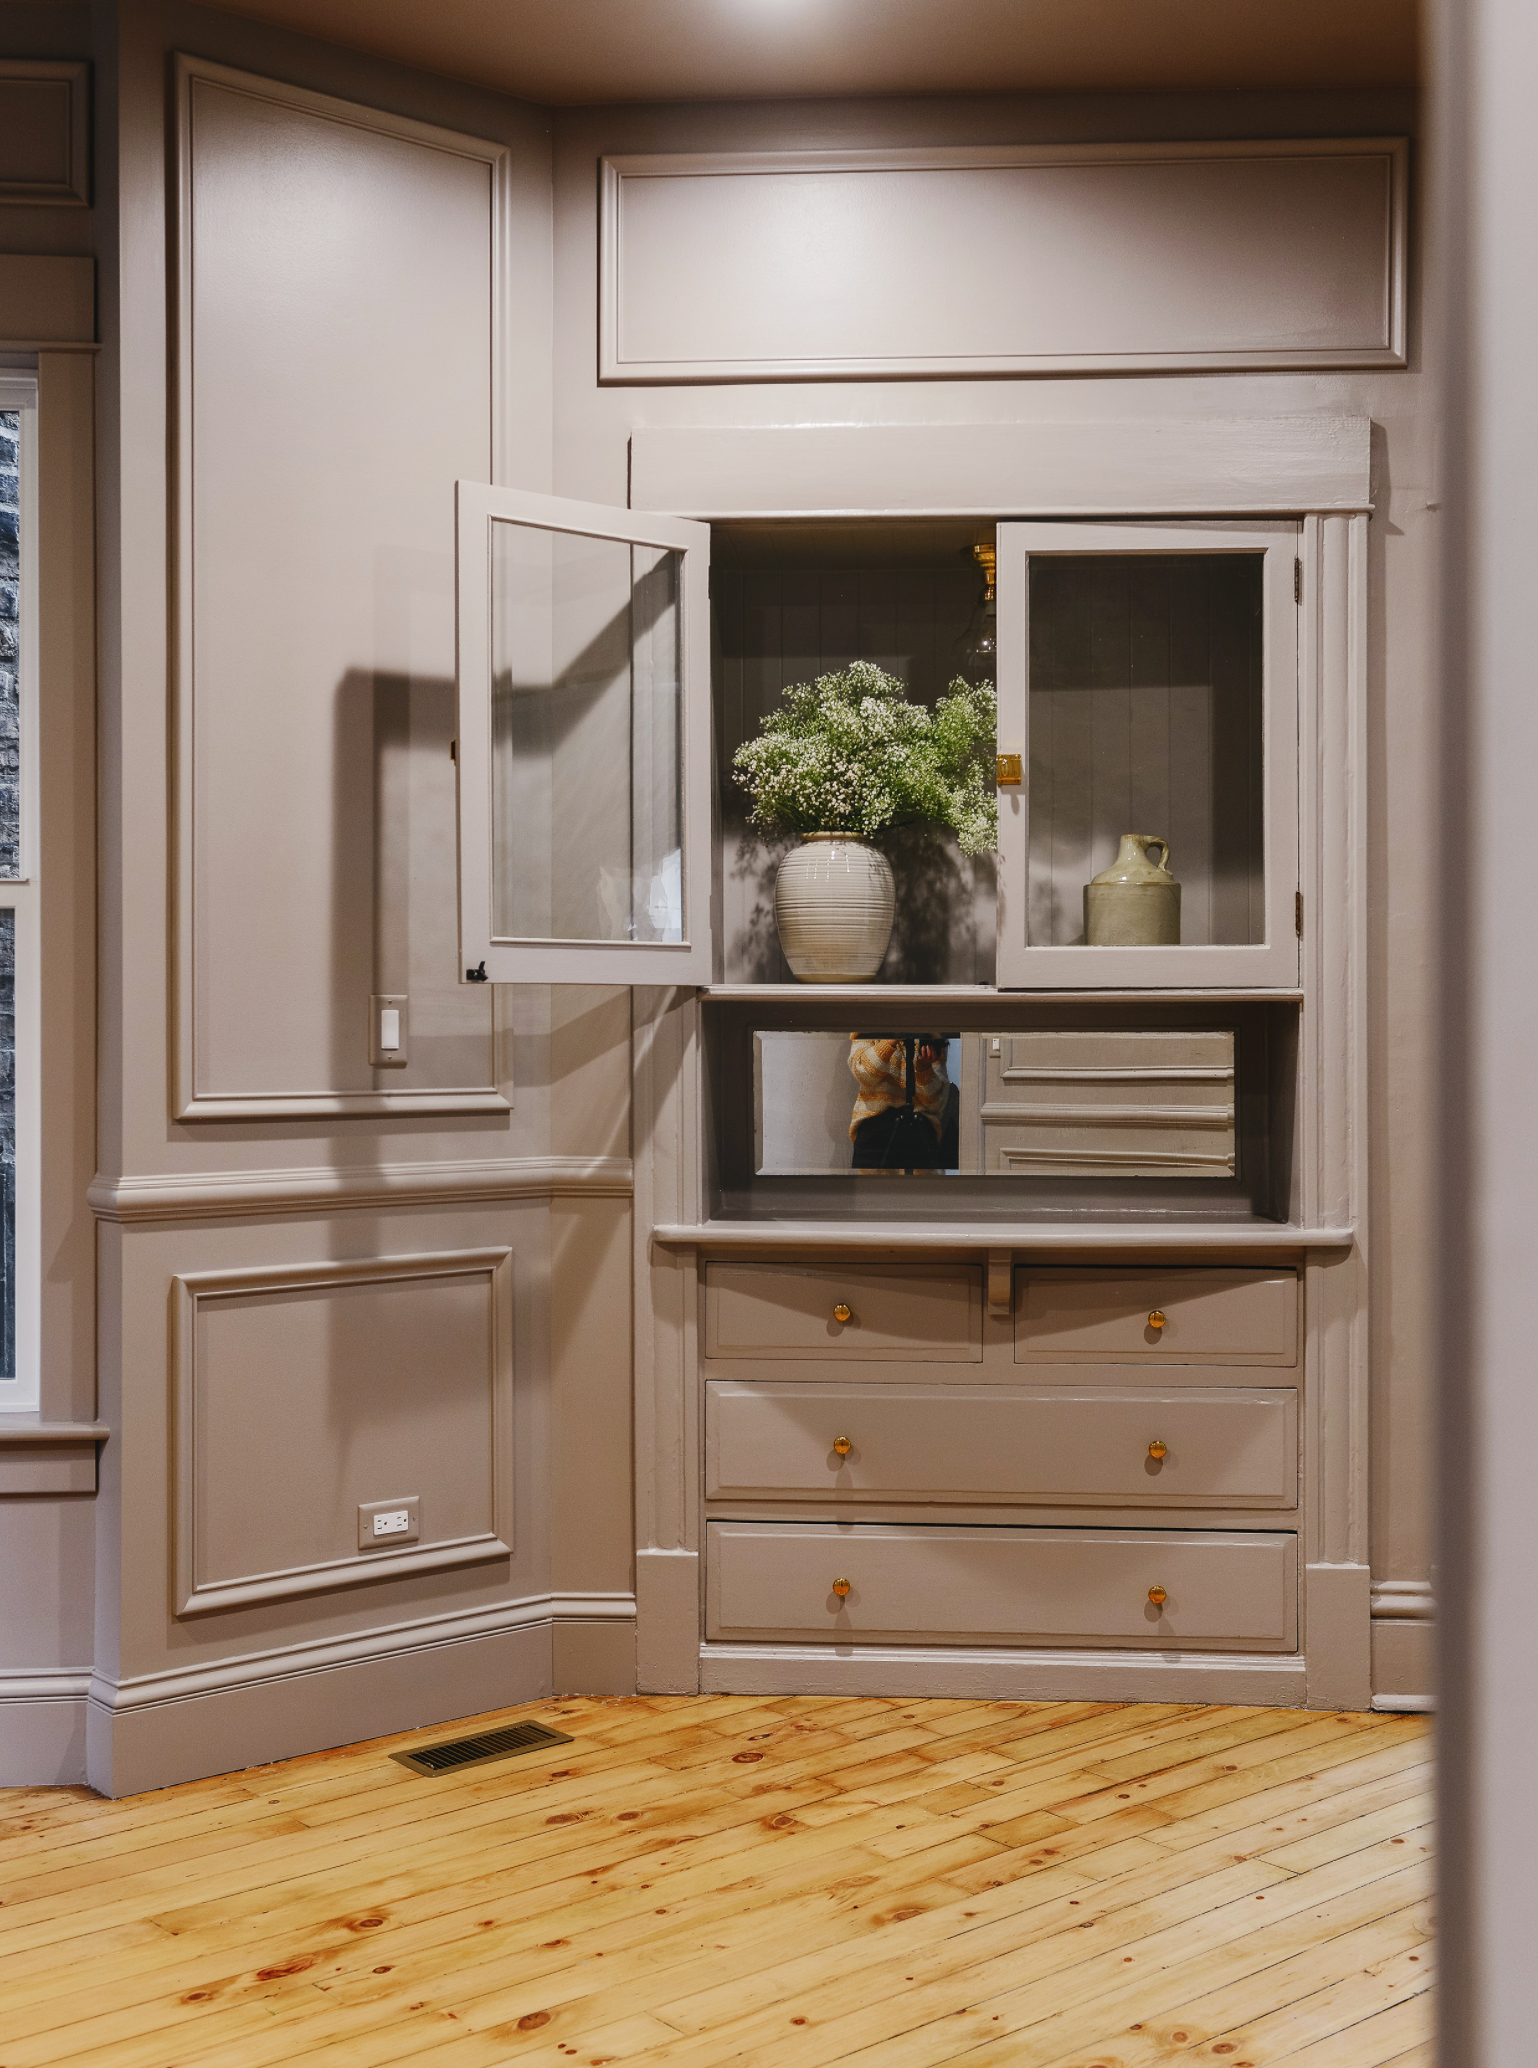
{"x":853,"y":214}
{"x":230,"y":1194}
{"x":189,"y":1292}
{"x":68,"y":86}
{"x":1145,"y":467}
{"x":188,"y":1103}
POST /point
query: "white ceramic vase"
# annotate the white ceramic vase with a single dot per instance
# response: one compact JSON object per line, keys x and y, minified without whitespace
{"x":833,"y":904}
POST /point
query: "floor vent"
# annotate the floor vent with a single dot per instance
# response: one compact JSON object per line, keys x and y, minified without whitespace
{"x":454,"y":1753}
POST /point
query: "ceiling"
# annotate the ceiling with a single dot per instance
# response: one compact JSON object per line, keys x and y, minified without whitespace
{"x":570,"y":52}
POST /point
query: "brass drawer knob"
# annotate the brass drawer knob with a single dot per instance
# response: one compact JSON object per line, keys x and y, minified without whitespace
{"x":1157,"y":1596}
{"x":1156,"y":1319}
{"x":841,"y":1312}
{"x":1158,"y":1450}
{"x":841,"y":1588}
{"x":842,"y":1445}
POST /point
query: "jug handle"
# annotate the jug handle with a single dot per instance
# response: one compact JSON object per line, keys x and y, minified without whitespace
{"x":1158,"y":840}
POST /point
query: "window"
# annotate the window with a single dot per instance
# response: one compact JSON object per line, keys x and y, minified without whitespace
{"x":19,"y":1103}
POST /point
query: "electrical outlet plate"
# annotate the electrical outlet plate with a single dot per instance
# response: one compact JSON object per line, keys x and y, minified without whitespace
{"x":396,"y":1057}
{"x":386,"y":1525}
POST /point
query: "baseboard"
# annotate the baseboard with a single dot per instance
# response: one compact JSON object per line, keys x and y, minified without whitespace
{"x":1013,"y":1676}
{"x":1406,"y":1705}
{"x":589,"y":1657}
{"x":42,"y":1729}
{"x":154,"y":1730}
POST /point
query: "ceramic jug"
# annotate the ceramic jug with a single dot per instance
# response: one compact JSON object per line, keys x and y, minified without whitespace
{"x":1136,"y":902}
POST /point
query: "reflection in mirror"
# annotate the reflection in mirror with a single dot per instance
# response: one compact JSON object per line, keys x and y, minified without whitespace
{"x":587,"y":755}
{"x":1138,"y":1103}
{"x":874,"y":1104}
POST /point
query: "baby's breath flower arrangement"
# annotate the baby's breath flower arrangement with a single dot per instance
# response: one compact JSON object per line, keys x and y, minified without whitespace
{"x":849,"y":754}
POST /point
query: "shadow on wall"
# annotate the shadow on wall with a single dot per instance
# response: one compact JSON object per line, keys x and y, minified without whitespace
{"x":394,"y":887}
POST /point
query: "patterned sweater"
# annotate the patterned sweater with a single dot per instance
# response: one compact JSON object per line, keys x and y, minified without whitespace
{"x":881,"y":1071}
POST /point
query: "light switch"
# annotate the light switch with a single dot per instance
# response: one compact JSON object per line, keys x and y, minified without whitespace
{"x":389,"y":1031}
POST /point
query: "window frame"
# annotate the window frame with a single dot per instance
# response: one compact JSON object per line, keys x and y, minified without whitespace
{"x":691,"y":961}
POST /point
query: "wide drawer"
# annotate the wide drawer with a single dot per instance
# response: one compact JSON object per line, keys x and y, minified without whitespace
{"x":1222,"y":1589}
{"x":998,"y":1443}
{"x":896,"y":1313}
{"x":1181,"y":1316}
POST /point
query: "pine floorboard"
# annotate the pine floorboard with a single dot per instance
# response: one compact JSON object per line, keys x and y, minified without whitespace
{"x":735,"y":1881}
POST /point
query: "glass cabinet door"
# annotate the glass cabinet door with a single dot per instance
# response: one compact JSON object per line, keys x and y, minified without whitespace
{"x":1148,"y":681}
{"x":584,"y":742}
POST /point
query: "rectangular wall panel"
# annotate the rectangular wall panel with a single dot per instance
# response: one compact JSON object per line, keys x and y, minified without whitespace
{"x":45,"y":141}
{"x":305,"y":1392}
{"x":337,"y":368}
{"x":726,"y":266}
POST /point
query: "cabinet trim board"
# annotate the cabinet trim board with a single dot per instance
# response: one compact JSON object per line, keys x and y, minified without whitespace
{"x":1136,"y":467}
{"x":967,"y":1673}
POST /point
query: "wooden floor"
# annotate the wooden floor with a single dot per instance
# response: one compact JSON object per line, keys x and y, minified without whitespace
{"x":717,"y":1880}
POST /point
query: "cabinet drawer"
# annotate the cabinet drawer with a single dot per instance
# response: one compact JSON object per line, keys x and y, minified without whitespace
{"x":998,"y":1443}
{"x":1223,"y":1589}
{"x":1097,"y":1316}
{"x":897,"y":1313}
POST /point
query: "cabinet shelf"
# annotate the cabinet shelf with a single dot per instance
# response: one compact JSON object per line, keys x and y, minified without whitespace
{"x":980,"y":994}
{"x":969,"y":1238}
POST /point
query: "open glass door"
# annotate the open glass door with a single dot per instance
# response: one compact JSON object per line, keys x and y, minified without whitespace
{"x":584,"y":742}
{"x":1148,"y":681}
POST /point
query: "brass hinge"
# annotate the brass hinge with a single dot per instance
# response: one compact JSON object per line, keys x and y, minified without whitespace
{"x":1297,"y":912}
{"x":1297,"y":581}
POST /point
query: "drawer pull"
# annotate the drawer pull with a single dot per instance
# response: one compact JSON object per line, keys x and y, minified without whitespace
{"x":1156,"y":1319}
{"x":842,"y":1446}
{"x":1157,"y":1596}
{"x":842,"y":1313}
{"x":1158,"y":1449}
{"x":841,"y":1588}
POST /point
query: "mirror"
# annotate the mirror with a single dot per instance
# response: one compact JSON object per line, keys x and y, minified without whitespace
{"x":1127,"y":1104}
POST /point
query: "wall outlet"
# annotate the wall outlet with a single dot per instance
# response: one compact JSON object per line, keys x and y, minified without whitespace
{"x":383,"y":1525}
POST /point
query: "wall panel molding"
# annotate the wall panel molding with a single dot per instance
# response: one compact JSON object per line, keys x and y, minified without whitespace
{"x":1015,"y":259}
{"x":228,"y":1194}
{"x":45,"y":133}
{"x":309,"y":696}
{"x":197,"y":1296}
{"x":1156,"y":467}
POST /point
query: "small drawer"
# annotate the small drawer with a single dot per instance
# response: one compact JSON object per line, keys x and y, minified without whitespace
{"x":1179,"y":1316}
{"x":1236,"y":1447}
{"x":1209,"y":1590}
{"x":896,"y":1314}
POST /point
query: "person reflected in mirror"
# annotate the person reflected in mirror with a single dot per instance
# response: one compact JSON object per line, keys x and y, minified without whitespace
{"x":907,"y":1112}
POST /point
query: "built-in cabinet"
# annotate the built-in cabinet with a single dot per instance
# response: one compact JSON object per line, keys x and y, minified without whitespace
{"x":1077,"y":1411}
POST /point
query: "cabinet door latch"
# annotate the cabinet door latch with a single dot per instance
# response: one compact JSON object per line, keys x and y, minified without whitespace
{"x":1297,"y":912}
{"x":1297,"y":581}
